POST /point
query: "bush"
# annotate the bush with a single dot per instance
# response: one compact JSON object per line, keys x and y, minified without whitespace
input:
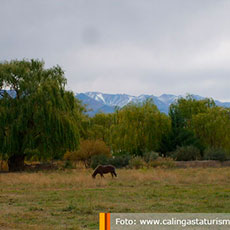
{"x":99,"y":160}
{"x":69,"y":156}
{"x":68,"y":165}
{"x":3,"y":165}
{"x":120,"y":161}
{"x":215,"y":154}
{"x":161,"y":162}
{"x":150,"y":156}
{"x":186,"y":153}
{"x":136,"y":162}
{"x":88,"y":149}
{"x":116,"y":161}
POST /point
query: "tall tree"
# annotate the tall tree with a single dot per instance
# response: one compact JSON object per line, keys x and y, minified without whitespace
{"x":37,"y":115}
{"x":213,"y":128}
{"x":138,"y":128}
{"x":181,"y":113}
{"x":99,"y":127}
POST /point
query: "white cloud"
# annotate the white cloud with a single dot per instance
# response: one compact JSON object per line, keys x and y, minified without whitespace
{"x":130,"y":46}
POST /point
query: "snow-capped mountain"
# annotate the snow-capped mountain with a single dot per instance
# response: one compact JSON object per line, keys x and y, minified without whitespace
{"x":111,"y":99}
{"x":100,"y":102}
{"x":168,"y":98}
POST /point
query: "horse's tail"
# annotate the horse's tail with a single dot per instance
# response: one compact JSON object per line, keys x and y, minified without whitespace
{"x":114,"y":171}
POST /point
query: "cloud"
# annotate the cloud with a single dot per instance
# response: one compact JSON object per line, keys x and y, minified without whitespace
{"x":131,"y":46}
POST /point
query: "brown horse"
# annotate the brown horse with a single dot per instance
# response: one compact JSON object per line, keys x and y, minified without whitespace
{"x":103,"y":169}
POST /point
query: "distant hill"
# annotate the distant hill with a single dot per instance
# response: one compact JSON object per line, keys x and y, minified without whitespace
{"x":100,"y":102}
{"x":97,"y":102}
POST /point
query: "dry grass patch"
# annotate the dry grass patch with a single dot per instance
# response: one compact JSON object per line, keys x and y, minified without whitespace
{"x":177,"y":176}
{"x":67,"y":179}
{"x":72,"y":199}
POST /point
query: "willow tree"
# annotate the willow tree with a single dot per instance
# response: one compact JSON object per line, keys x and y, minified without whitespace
{"x":138,"y":128}
{"x":99,"y":127}
{"x":38,"y":117}
{"x":213,"y":128}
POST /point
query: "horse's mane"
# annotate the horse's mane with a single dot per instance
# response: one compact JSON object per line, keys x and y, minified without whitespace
{"x":97,"y":167}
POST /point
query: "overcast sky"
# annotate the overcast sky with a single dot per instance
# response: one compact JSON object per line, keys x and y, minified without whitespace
{"x":125,"y":46}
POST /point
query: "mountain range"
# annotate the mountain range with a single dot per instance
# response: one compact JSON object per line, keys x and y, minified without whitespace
{"x":101,"y":102}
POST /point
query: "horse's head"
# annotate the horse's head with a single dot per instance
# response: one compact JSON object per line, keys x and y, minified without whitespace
{"x":94,"y":174}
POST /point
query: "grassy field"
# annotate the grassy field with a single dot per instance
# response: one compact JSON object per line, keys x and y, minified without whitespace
{"x":72,"y":199}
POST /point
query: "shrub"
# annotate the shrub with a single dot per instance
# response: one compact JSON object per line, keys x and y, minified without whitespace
{"x":69,"y":156}
{"x":136,"y":162}
{"x":32,"y":154}
{"x":99,"y":160}
{"x":186,"y":153}
{"x":215,"y":154}
{"x":68,"y":165}
{"x":150,"y":156}
{"x":161,"y":162}
{"x":120,"y":161}
{"x":88,"y":149}
{"x":3,"y":165}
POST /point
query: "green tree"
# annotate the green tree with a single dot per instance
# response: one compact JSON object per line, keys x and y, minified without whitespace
{"x":99,"y":127}
{"x":138,"y":128}
{"x":183,"y":109}
{"x":181,"y":113}
{"x":213,"y":128}
{"x":37,"y":115}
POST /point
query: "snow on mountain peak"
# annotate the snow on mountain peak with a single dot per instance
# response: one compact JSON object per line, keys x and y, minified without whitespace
{"x":107,"y":102}
{"x":167,"y":98}
{"x":100,"y":97}
{"x":111,"y":99}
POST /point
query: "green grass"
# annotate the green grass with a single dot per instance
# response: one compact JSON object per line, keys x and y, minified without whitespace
{"x":73,"y":200}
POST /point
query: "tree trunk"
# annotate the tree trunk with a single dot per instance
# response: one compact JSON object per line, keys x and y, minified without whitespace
{"x":16,"y":163}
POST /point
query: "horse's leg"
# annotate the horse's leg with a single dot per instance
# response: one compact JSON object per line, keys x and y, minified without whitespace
{"x":112,"y":174}
{"x":115,"y":174}
{"x":102,"y":175}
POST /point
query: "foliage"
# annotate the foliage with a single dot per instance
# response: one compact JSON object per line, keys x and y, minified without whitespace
{"x":212,"y":128}
{"x":116,"y":161}
{"x":150,"y":156}
{"x":99,"y":127}
{"x":215,"y":154}
{"x":120,"y":161}
{"x":3,"y":165}
{"x":88,"y":149}
{"x":183,"y":109}
{"x":138,"y":127}
{"x":69,"y":156}
{"x":162,"y":162}
{"x":182,"y":133}
{"x":186,"y":153}
{"x":36,"y":112}
{"x":137,"y":162}
{"x":99,"y":160}
{"x":40,"y":120}
{"x":68,"y":164}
